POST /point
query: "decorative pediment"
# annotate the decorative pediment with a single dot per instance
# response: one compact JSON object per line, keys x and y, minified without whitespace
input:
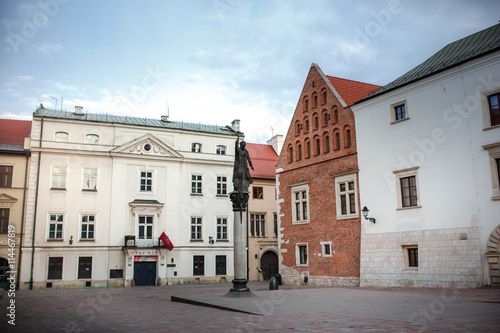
{"x":5,"y":198}
{"x":146,"y":207}
{"x":147,"y":145}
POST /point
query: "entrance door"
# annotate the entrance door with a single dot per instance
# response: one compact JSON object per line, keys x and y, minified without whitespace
{"x":269,"y":264}
{"x":145,"y":273}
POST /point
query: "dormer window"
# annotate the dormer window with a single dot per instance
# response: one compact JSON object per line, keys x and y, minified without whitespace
{"x":196,"y":147}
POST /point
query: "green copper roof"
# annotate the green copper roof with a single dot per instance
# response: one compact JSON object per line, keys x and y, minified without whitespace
{"x":453,"y":54}
{"x":134,"y":121}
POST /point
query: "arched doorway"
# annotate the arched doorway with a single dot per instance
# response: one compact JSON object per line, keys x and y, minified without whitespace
{"x":269,"y":264}
{"x":4,"y":268}
{"x":493,"y":255}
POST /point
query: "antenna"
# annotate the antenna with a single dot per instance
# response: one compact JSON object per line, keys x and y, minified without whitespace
{"x":168,"y":109}
{"x":62,"y":101}
{"x":272,"y":131}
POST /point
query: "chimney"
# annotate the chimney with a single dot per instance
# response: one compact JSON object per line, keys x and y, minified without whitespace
{"x":277,"y":143}
{"x":78,"y":110}
{"x":235,"y":124}
{"x":164,"y":118}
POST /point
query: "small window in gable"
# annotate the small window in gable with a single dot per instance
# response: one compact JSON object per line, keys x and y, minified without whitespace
{"x":196,"y":147}
{"x":335,"y":115}
{"x":399,"y":112}
{"x":220,"y":150}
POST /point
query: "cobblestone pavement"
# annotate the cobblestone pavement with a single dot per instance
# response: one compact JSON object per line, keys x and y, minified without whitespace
{"x":149,"y":309}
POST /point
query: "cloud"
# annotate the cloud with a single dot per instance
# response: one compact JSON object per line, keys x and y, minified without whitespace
{"x":46,"y":49}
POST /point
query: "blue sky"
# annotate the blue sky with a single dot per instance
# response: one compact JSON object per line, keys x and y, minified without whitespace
{"x":215,"y":60}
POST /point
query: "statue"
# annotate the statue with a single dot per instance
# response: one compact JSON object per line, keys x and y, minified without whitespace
{"x":241,"y":174}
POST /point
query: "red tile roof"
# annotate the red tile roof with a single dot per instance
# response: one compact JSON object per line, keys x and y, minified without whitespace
{"x":13,"y":132}
{"x":264,"y":160}
{"x":352,"y":91}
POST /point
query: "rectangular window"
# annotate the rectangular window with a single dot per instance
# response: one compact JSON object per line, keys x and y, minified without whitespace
{"x":221,"y":228}
{"x":346,"y":196}
{"x":55,"y":268}
{"x":6,"y":176}
{"x":61,"y":137}
{"x":89,"y":179}
{"x":85,"y":267}
{"x":220,"y":265}
{"x":4,"y":220}
{"x":258,"y":192}
{"x":58,"y":177}
{"x":301,"y":254}
{"x":116,"y":273}
{"x":92,"y":139}
{"x":146,"y":181}
{"x":413,"y":257}
{"x":196,"y":228}
{"x":326,"y":249}
{"x":400,"y":112}
{"x":198,"y":265}
{"x":220,"y":150}
{"x":221,"y":185}
{"x":275,"y":233}
{"x":196,"y":184}
{"x":56,"y":226}
{"x":196,"y":147}
{"x":494,"y":161}
{"x":145,"y":227}
{"x":494,"y":109}
{"x":408,"y":191}
{"x":88,"y":227}
{"x":300,"y":204}
{"x":258,"y":225}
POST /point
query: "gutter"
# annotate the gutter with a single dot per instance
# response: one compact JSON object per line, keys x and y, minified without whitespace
{"x":22,"y":220}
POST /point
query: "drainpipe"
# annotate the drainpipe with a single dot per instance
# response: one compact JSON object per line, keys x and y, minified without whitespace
{"x":19,"y":265}
{"x":248,"y":245}
{"x":36,"y":205}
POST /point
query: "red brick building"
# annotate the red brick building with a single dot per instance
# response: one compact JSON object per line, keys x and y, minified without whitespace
{"x":317,"y":182}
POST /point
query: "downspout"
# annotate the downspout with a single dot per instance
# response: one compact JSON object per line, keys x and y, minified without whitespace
{"x":22,"y":221}
{"x":36,"y":205}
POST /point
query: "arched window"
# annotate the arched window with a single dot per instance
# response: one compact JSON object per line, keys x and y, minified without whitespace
{"x":315,"y":98}
{"x":324,"y":96}
{"x":306,"y":104}
{"x":92,"y":139}
{"x":61,"y":137}
{"x":299,"y":151}
{"x":335,"y":115}
{"x":337,"y":141}
{"x":298,"y":127}
{"x":307,"y":126}
{"x":308,"y":149}
{"x":326,"y":118}
{"x":348,"y":138}
{"x":220,"y":150}
{"x":317,"y":148}
{"x":290,"y":154}
{"x":326,"y":143}
{"x":316,"y":122}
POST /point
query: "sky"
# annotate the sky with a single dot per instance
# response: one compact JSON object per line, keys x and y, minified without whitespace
{"x":213,"y":61}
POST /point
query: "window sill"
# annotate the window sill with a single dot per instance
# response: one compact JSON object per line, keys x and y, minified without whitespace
{"x":491,"y":127}
{"x":222,"y":240}
{"x":302,"y":265}
{"x":196,"y":240}
{"x":196,"y":195}
{"x":218,"y":195}
{"x":410,"y":269}
{"x":88,"y":190}
{"x":86,"y":240}
{"x":495,"y":198}
{"x":57,"y":189}
{"x":399,"y":121}
{"x":300,"y":222}
{"x":406,"y":208}
{"x":55,"y":240}
{"x":347,"y":217}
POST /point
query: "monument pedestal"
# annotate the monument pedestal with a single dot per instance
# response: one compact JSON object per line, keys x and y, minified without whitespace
{"x":239,"y":289}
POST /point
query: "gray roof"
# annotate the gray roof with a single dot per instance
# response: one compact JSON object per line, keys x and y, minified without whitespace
{"x":453,"y":54}
{"x":135,"y":121}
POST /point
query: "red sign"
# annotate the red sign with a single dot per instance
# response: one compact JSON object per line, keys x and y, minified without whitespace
{"x":145,"y":258}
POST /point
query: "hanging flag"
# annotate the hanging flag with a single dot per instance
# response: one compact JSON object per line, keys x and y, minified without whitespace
{"x":166,"y":241}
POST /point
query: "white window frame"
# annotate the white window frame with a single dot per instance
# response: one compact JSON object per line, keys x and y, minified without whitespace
{"x":199,"y":183}
{"x":196,"y":147}
{"x":494,"y":154}
{"x":92,"y":139}
{"x":323,"y":249}
{"x":221,"y":185}
{"x":54,"y":174}
{"x":88,"y":223}
{"x":59,"y":137}
{"x":404,"y":173}
{"x":346,"y":179}
{"x":224,"y":227}
{"x":153,"y":178}
{"x":56,"y":222}
{"x":221,"y":150}
{"x":485,"y":106}
{"x":297,"y":254}
{"x":146,"y":225}
{"x":393,"y":112}
{"x":258,"y":220}
{"x":300,"y":189}
{"x":87,"y":179}
{"x":197,"y":225}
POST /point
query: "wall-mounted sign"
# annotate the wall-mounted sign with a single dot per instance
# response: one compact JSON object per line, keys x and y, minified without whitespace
{"x":145,"y":258}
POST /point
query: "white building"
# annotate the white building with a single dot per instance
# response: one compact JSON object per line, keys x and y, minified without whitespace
{"x":103,"y":189}
{"x":428,"y":152}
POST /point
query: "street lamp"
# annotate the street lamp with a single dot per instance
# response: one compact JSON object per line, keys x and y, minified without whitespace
{"x":365,"y":212}
{"x":55,"y":100}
